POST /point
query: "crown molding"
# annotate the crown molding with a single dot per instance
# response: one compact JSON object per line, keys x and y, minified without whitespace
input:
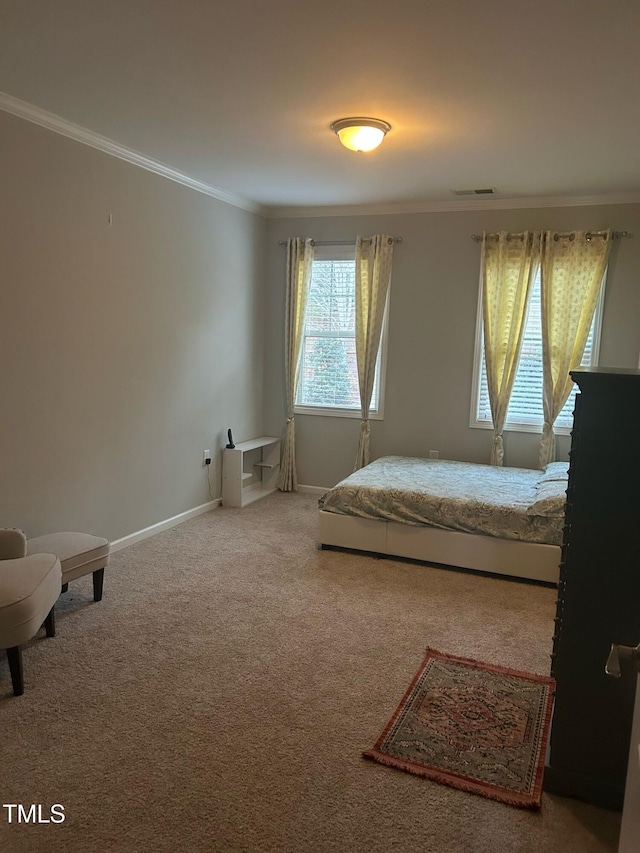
{"x":451,"y":206}
{"x":53,"y":122}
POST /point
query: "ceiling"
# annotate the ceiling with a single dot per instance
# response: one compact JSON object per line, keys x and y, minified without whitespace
{"x":537,"y":99}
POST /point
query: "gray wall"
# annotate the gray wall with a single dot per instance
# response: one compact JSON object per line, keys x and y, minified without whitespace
{"x":434,"y":292}
{"x":126,"y":350}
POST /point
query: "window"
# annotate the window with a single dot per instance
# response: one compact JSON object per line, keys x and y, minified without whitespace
{"x":525,"y":412}
{"x":328,"y":369}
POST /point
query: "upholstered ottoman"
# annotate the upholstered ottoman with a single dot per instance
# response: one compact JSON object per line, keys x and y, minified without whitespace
{"x":29,"y":588}
{"x":79,"y":555}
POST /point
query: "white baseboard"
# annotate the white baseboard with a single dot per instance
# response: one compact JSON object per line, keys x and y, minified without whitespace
{"x":139,"y":535}
{"x":313,"y":490}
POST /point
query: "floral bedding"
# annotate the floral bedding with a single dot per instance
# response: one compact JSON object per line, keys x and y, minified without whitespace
{"x":511,"y":503}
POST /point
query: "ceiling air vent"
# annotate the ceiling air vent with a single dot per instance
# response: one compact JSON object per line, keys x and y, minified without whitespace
{"x":489,"y":191}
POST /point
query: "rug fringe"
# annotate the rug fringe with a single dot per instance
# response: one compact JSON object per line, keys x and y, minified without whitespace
{"x":491,"y":667}
{"x":501,"y":795}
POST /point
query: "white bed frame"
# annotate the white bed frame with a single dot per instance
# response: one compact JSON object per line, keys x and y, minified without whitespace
{"x":448,"y":547}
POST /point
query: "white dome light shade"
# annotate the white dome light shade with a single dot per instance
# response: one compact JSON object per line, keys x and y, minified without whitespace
{"x":360,"y":134}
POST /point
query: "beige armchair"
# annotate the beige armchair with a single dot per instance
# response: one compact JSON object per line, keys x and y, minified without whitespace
{"x":29,"y":588}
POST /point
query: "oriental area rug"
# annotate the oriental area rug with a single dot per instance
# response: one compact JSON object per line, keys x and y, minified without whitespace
{"x":475,"y":726}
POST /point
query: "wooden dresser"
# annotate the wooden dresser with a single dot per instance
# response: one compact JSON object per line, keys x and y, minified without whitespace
{"x":599,"y":591}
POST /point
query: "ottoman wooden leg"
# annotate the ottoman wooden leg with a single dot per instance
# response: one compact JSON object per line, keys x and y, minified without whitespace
{"x":50,"y":624}
{"x":14,"y":655}
{"x":65,"y":587}
{"x":98,"y":580}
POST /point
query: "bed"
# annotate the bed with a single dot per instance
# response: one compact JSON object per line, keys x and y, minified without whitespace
{"x":506,"y":521}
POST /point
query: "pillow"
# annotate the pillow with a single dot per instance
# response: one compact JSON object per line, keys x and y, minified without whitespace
{"x":550,"y":498}
{"x":554,"y":471}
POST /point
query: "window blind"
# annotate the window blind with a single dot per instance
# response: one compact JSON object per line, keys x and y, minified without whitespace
{"x":525,"y":406}
{"x":328,"y":367}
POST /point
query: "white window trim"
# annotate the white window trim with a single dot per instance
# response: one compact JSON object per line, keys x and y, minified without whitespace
{"x":478,"y":356}
{"x":347,"y":252}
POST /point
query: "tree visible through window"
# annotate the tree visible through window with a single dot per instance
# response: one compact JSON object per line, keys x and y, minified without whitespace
{"x":328,"y":368}
{"x":327,"y":372}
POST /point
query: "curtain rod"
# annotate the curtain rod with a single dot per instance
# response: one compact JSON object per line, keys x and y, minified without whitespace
{"x":614,"y":235}
{"x":338,"y":242}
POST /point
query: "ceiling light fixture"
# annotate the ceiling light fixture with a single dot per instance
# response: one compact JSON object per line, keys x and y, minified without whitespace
{"x":360,"y":134}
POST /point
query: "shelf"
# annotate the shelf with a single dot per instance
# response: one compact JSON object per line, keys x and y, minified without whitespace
{"x":255,"y":443}
{"x":250,"y":470}
{"x":255,"y":494}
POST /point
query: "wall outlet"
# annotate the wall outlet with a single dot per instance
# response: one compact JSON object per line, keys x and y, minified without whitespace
{"x":206,"y":457}
{"x":434,"y":454}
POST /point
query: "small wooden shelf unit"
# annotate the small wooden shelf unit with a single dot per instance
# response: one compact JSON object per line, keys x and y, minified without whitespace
{"x":250,"y":470}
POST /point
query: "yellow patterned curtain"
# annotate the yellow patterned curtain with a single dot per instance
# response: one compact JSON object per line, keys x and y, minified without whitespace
{"x":509,"y":263}
{"x":373,"y":275}
{"x":573,"y":267}
{"x":299,"y":264}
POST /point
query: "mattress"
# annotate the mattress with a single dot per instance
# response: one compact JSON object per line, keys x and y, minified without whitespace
{"x":510,"y":503}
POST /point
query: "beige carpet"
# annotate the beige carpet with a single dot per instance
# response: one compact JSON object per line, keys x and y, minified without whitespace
{"x":220,"y":696}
